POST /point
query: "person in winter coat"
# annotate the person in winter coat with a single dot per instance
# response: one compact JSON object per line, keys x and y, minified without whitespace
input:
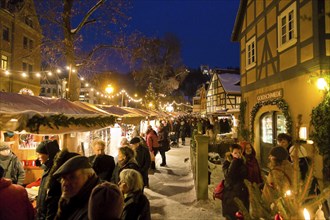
{"x":235,"y":172}
{"x":106,"y":202}
{"x":126,"y":160}
{"x":102,"y":164}
{"x":14,"y":199}
{"x":152,"y":143}
{"x":78,"y":179}
{"x":251,"y":162}
{"x":164,"y":143}
{"x":53,"y":186}
{"x":142,"y":157}
{"x":46,"y":152}
{"x":136,"y":205}
{"x":279,"y":179}
{"x":13,"y":168}
{"x":183,"y":132}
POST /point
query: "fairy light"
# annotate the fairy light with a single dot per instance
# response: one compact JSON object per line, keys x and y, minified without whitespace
{"x":24,"y":74}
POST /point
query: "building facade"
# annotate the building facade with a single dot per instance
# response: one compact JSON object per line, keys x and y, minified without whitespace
{"x":19,"y":47}
{"x":284,"y":48}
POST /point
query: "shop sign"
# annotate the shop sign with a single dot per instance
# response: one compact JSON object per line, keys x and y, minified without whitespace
{"x":270,"y":95}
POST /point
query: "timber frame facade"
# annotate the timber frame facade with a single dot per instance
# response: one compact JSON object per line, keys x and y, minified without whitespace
{"x":284,"y":48}
{"x":224,"y":92}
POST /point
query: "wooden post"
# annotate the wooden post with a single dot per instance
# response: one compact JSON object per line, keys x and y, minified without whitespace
{"x":201,"y":167}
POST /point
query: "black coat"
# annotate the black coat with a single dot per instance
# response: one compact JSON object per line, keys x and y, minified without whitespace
{"x":235,"y":174}
{"x":76,"y":208}
{"x":103,"y":166}
{"x":143,"y":159}
{"x":136,"y":207}
{"x":129,"y":165}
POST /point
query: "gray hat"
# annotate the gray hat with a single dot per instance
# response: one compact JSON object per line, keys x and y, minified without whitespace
{"x":73,"y":164}
{"x":4,"y":146}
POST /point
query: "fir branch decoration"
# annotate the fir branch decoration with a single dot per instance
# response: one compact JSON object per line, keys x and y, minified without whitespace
{"x":321,"y":135}
{"x":61,"y":120}
{"x":281,"y":104}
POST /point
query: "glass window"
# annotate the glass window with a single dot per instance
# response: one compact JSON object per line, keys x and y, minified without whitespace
{"x":5,"y":33}
{"x":267,"y":128}
{"x":29,"y":21}
{"x":4,"y":62}
{"x":25,"y":42}
{"x":287,"y":27}
{"x":24,"y":66}
{"x":251,"y":53}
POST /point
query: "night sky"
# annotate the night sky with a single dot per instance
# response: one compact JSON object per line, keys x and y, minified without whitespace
{"x":203,"y":26}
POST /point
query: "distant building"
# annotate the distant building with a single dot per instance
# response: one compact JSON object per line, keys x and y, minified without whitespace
{"x":284,"y":49}
{"x":19,"y":47}
{"x":224,"y":92}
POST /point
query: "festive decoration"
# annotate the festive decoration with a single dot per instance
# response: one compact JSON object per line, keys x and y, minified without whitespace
{"x":296,"y":203}
{"x":281,"y":104}
{"x":151,"y":97}
{"x":278,"y":217}
{"x":57,"y":121}
{"x":243,"y":131}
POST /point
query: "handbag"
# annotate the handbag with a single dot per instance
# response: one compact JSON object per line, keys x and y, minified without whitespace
{"x":218,"y":190}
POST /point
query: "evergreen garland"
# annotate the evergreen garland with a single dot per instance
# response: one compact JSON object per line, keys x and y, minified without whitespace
{"x":320,"y":121}
{"x":61,"y":120}
{"x":281,"y":104}
{"x":243,"y":132}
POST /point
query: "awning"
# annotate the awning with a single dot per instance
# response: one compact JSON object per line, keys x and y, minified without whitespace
{"x":42,"y":115}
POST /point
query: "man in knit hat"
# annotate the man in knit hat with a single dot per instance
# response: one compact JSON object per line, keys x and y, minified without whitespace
{"x":46,"y":152}
{"x":77,"y":181}
{"x":13,"y":168}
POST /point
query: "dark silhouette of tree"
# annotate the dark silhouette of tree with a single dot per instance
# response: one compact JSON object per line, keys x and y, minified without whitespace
{"x":67,"y":26}
{"x":158,"y":61}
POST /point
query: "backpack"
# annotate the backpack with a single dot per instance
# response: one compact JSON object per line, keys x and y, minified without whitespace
{"x":218,"y":190}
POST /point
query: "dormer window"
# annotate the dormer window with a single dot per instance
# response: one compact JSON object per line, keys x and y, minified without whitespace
{"x":287,"y":27}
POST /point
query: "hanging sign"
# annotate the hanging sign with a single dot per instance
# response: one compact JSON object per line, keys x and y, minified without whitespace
{"x":270,"y":95}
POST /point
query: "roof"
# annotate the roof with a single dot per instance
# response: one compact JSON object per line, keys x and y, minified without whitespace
{"x":43,"y":115}
{"x":230,"y":82}
{"x":239,"y":20}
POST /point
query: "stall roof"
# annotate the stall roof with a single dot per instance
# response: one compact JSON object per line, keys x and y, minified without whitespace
{"x":42,"y":115}
{"x":119,"y":111}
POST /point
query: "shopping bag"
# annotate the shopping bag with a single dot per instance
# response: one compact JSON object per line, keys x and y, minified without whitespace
{"x":218,"y":190}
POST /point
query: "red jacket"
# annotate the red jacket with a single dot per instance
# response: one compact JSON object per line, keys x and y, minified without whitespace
{"x":14,"y":203}
{"x":152,"y":139}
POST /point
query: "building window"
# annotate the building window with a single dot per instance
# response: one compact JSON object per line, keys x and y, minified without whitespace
{"x":25,"y":42}
{"x":29,"y":21}
{"x":251,"y":53}
{"x":5,"y":33}
{"x":287,"y":27}
{"x":24,"y":66}
{"x":4,"y":62}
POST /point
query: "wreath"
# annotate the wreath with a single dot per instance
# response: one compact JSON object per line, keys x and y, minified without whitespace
{"x":281,"y":104}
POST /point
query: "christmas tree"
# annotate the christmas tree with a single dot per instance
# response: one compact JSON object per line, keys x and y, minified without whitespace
{"x":151,"y":98}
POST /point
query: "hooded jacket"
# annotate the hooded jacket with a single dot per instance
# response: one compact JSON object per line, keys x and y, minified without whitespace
{"x":14,"y":203}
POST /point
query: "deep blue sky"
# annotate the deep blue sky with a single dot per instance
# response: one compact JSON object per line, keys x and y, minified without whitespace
{"x":203,"y":26}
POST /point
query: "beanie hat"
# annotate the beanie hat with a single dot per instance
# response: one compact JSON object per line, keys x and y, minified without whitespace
{"x":4,"y":146}
{"x":135,"y":140}
{"x":42,"y":148}
{"x":280,"y":153}
{"x":105,"y":202}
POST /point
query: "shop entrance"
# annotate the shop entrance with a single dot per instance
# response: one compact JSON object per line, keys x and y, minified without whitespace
{"x":271,"y":124}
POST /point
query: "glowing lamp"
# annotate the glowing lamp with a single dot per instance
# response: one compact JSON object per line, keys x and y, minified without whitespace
{"x":306,"y":214}
{"x":322,"y":84}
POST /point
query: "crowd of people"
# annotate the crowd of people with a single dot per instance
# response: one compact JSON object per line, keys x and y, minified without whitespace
{"x":241,"y":163}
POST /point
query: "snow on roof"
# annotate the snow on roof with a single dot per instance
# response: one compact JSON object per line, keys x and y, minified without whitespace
{"x":230,"y":82}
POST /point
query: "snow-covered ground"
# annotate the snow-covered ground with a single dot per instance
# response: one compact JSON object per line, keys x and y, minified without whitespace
{"x":172,"y":191}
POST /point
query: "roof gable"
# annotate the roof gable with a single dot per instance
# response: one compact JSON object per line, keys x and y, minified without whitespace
{"x":239,"y":20}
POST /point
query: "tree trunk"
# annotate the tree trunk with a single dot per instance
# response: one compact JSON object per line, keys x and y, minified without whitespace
{"x":74,"y":81}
